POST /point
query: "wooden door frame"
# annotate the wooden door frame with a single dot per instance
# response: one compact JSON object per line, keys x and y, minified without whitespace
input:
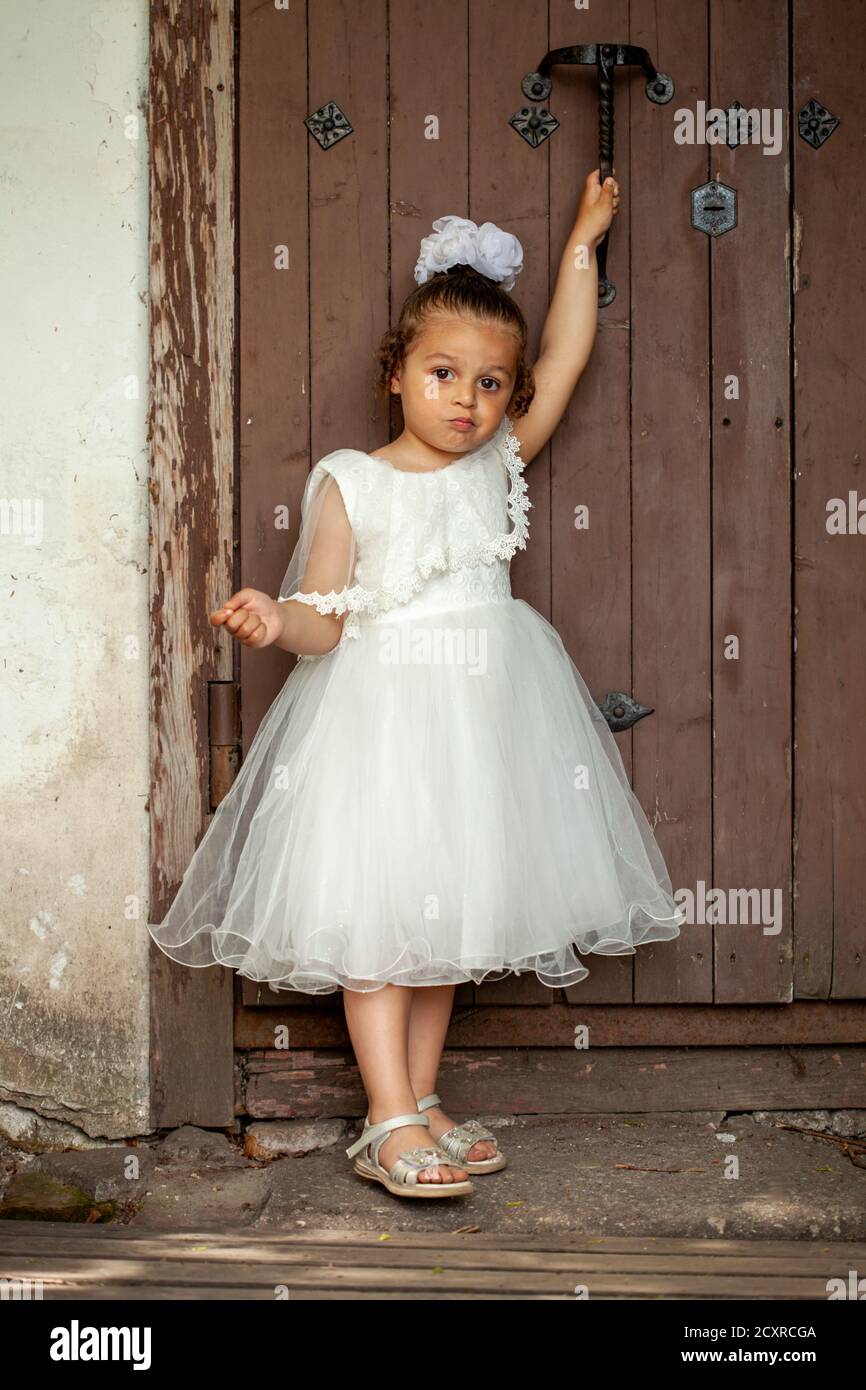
{"x":192,"y":444}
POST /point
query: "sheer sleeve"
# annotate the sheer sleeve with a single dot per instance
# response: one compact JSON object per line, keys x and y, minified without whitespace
{"x":322,"y":566}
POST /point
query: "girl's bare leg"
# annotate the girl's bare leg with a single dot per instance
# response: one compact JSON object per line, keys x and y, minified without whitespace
{"x":378,"y":1024}
{"x":428,"y":1024}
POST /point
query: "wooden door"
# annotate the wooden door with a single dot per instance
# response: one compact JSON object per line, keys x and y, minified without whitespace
{"x":720,"y":410}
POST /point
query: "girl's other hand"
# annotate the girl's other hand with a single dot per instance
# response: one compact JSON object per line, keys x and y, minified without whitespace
{"x":251,"y":616}
{"x":599,"y":204}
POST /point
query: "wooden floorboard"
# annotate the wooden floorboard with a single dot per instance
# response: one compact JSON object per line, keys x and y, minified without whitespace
{"x":111,"y":1263}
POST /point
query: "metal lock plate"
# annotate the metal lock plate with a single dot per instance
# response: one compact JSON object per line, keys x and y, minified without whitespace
{"x":714,"y":208}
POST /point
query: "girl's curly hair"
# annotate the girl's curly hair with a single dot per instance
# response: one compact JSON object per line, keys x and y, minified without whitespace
{"x":464,"y":291}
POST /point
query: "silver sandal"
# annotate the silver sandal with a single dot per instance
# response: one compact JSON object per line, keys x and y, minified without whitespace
{"x":402,"y":1179}
{"x":458,"y":1140}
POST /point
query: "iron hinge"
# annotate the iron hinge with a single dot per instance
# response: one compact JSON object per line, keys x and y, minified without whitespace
{"x":224,"y":737}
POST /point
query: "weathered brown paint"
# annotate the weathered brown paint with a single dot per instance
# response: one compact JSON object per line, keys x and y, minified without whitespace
{"x":667,"y":309}
{"x":751,"y":506}
{"x":191,"y":434}
{"x":829,"y":310}
{"x":663,"y":1025}
{"x":545,"y":1080}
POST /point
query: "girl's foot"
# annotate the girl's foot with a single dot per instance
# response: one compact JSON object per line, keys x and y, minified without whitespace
{"x":417,"y":1137}
{"x":439,"y":1123}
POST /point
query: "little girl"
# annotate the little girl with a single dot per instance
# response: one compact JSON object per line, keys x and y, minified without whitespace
{"x":433,"y":796}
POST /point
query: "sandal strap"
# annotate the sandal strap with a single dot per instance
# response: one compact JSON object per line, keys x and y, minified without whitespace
{"x":426,"y":1101}
{"x":411,"y":1163}
{"x":384,"y":1128}
{"x":458,"y":1141}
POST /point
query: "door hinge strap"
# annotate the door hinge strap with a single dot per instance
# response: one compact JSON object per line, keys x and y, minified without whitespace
{"x":224,"y":737}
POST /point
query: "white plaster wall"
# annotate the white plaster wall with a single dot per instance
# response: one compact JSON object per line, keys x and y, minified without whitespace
{"x":74,"y":622}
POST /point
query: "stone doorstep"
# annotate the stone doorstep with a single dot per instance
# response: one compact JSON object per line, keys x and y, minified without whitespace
{"x":102,"y":1184}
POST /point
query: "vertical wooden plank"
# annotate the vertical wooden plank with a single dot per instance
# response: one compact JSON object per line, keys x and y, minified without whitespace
{"x":273,"y":262}
{"x":190,"y":128}
{"x":829,"y":255}
{"x":670,"y":484}
{"x":752,"y":729}
{"x":348,"y":224}
{"x":591,"y":599}
{"x":429,"y":137}
{"x":274,"y":394}
{"x":509,"y":183}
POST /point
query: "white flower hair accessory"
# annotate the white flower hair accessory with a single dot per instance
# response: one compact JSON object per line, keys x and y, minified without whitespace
{"x":459,"y":241}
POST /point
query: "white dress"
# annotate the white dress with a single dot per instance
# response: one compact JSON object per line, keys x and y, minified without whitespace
{"x":438,"y":799}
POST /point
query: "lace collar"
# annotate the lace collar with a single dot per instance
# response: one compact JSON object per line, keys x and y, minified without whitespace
{"x":358,"y":598}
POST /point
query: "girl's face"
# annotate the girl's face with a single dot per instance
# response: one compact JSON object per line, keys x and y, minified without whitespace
{"x":456,"y":382}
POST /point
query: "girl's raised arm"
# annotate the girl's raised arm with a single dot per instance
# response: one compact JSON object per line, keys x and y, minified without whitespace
{"x":569,"y":329}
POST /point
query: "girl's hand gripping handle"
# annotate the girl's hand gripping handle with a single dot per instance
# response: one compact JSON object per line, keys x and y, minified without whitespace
{"x":599,"y":204}
{"x":251,"y":616}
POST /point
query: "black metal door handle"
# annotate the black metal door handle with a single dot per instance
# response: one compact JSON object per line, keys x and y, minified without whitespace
{"x":536,"y":124}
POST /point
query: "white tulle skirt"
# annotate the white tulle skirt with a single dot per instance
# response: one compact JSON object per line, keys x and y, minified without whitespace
{"x":437,"y":800}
